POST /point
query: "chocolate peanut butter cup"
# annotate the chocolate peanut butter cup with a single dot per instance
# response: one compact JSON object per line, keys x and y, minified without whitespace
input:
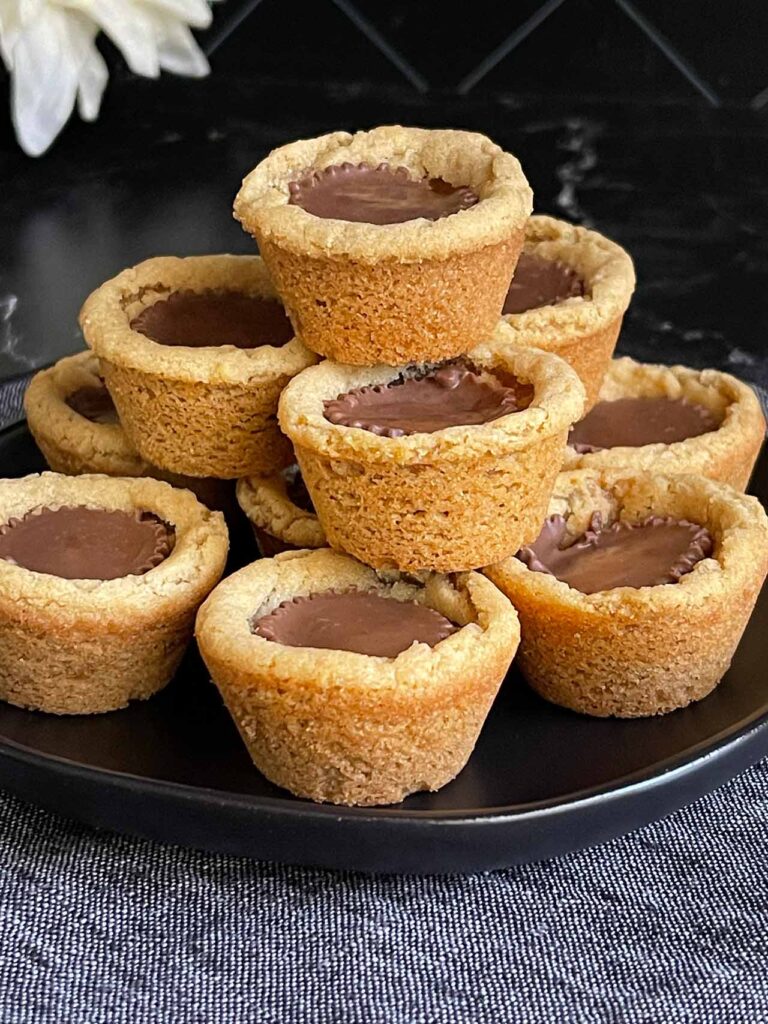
{"x":360,"y":621}
{"x":195,"y":352}
{"x":100,"y":579}
{"x":351,"y":686}
{"x":648,"y":553}
{"x":280,"y":511}
{"x":539,"y":282}
{"x":453,"y":395}
{"x":424,"y":467}
{"x":76,"y":542}
{"x":389,"y":246}
{"x":636,"y":422}
{"x":211,"y":318}
{"x":377,"y":195}
{"x":635,"y":595}
{"x":568,"y":295}
{"x":670,"y":419}
{"x":94,"y":403}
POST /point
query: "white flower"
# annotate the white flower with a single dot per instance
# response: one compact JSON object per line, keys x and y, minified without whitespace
{"x":49,"y":48}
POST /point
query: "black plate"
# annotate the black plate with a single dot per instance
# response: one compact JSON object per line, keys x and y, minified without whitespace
{"x":541,"y":782}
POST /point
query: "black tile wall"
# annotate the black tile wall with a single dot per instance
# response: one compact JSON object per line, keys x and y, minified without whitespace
{"x":727,"y":42}
{"x":302,"y":39}
{"x":659,"y":50}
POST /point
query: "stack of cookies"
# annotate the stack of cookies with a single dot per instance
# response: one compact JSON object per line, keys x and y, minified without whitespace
{"x":413,"y":382}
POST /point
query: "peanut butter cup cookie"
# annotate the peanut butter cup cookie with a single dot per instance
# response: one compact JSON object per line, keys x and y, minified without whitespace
{"x":636,"y":592}
{"x":569,"y":293}
{"x":195,"y":352}
{"x":444,"y":467}
{"x":74,"y":421}
{"x":100,"y":579}
{"x":670,"y":419}
{"x":391,"y":245}
{"x":352,"y":686}
{"x":280,"y":512}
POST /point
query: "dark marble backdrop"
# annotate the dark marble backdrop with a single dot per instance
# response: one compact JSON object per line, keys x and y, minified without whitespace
{"x":646,"y":119}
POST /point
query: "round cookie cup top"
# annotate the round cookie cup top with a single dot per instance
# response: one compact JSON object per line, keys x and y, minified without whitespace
{"x":108,"y":312}
{"x":737,"y":523}
{"x":728,"y":399}
{"x":49,"y":416}
{"x":605,"y":269}
{"x":557,"y":402}
{"x":457,"y":157}
{"x":193,"y":565}
{"x":268,"y":506}
{"x":487,"y":619}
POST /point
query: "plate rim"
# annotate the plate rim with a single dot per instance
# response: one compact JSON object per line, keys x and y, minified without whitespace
{"x":291,"y":807}
{"x":747,"y":740}
{"x":674,"y":766}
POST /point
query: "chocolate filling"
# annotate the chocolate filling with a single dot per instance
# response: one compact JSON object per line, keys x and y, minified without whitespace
{"x":79,"y":543}
{"x":356,"y":620}
{"x":204,"y":319}
{"x":268,"y":545}
{"x":539,"y":282}
{"x":377,"y":195}
{"x":646,"y":554}
{"x":296,"y":489}
{"x":453,"y":395}
{"x":633,"y":422}
{"x":94,"y":403}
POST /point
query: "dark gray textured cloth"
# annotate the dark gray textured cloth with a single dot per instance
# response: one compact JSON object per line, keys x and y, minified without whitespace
{"x":664,"y":926}
{"x":11,"y":398}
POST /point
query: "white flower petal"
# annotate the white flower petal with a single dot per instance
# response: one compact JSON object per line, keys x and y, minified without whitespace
{"x":179,"y":53}
{"x":48,"y":47}
{"x":14,"y":16}
{"x":90,"y":87}
{"x":195,"y":13}
{"x":44,"y":81}
{"x":131,"y":28}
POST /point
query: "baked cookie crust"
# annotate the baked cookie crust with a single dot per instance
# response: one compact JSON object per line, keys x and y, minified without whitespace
{"x":197,"y":411}
{"x":420,"y":290}
{"x":71,"y":443}
{"x":269,"y":509}
{"x":582,"y":330}
{"x":347,"y":728}
{"x":89,"y":646}
{"x":637,"y":652}
{"x":727,"y":454}
{"x":451,"y":500}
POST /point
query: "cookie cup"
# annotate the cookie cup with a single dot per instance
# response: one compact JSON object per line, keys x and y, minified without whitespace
{"x":347,"y":728}
{"x":73,"y":444}
{"x":368,"y":293}
{"x":449,"y":501}
{"x":88,"y":646}
{"x":278,"y":523}
{"x":582,"y":330}
{"x":206,"y":412}
{"x":727,"y":454}
{"x":632,"y":652}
